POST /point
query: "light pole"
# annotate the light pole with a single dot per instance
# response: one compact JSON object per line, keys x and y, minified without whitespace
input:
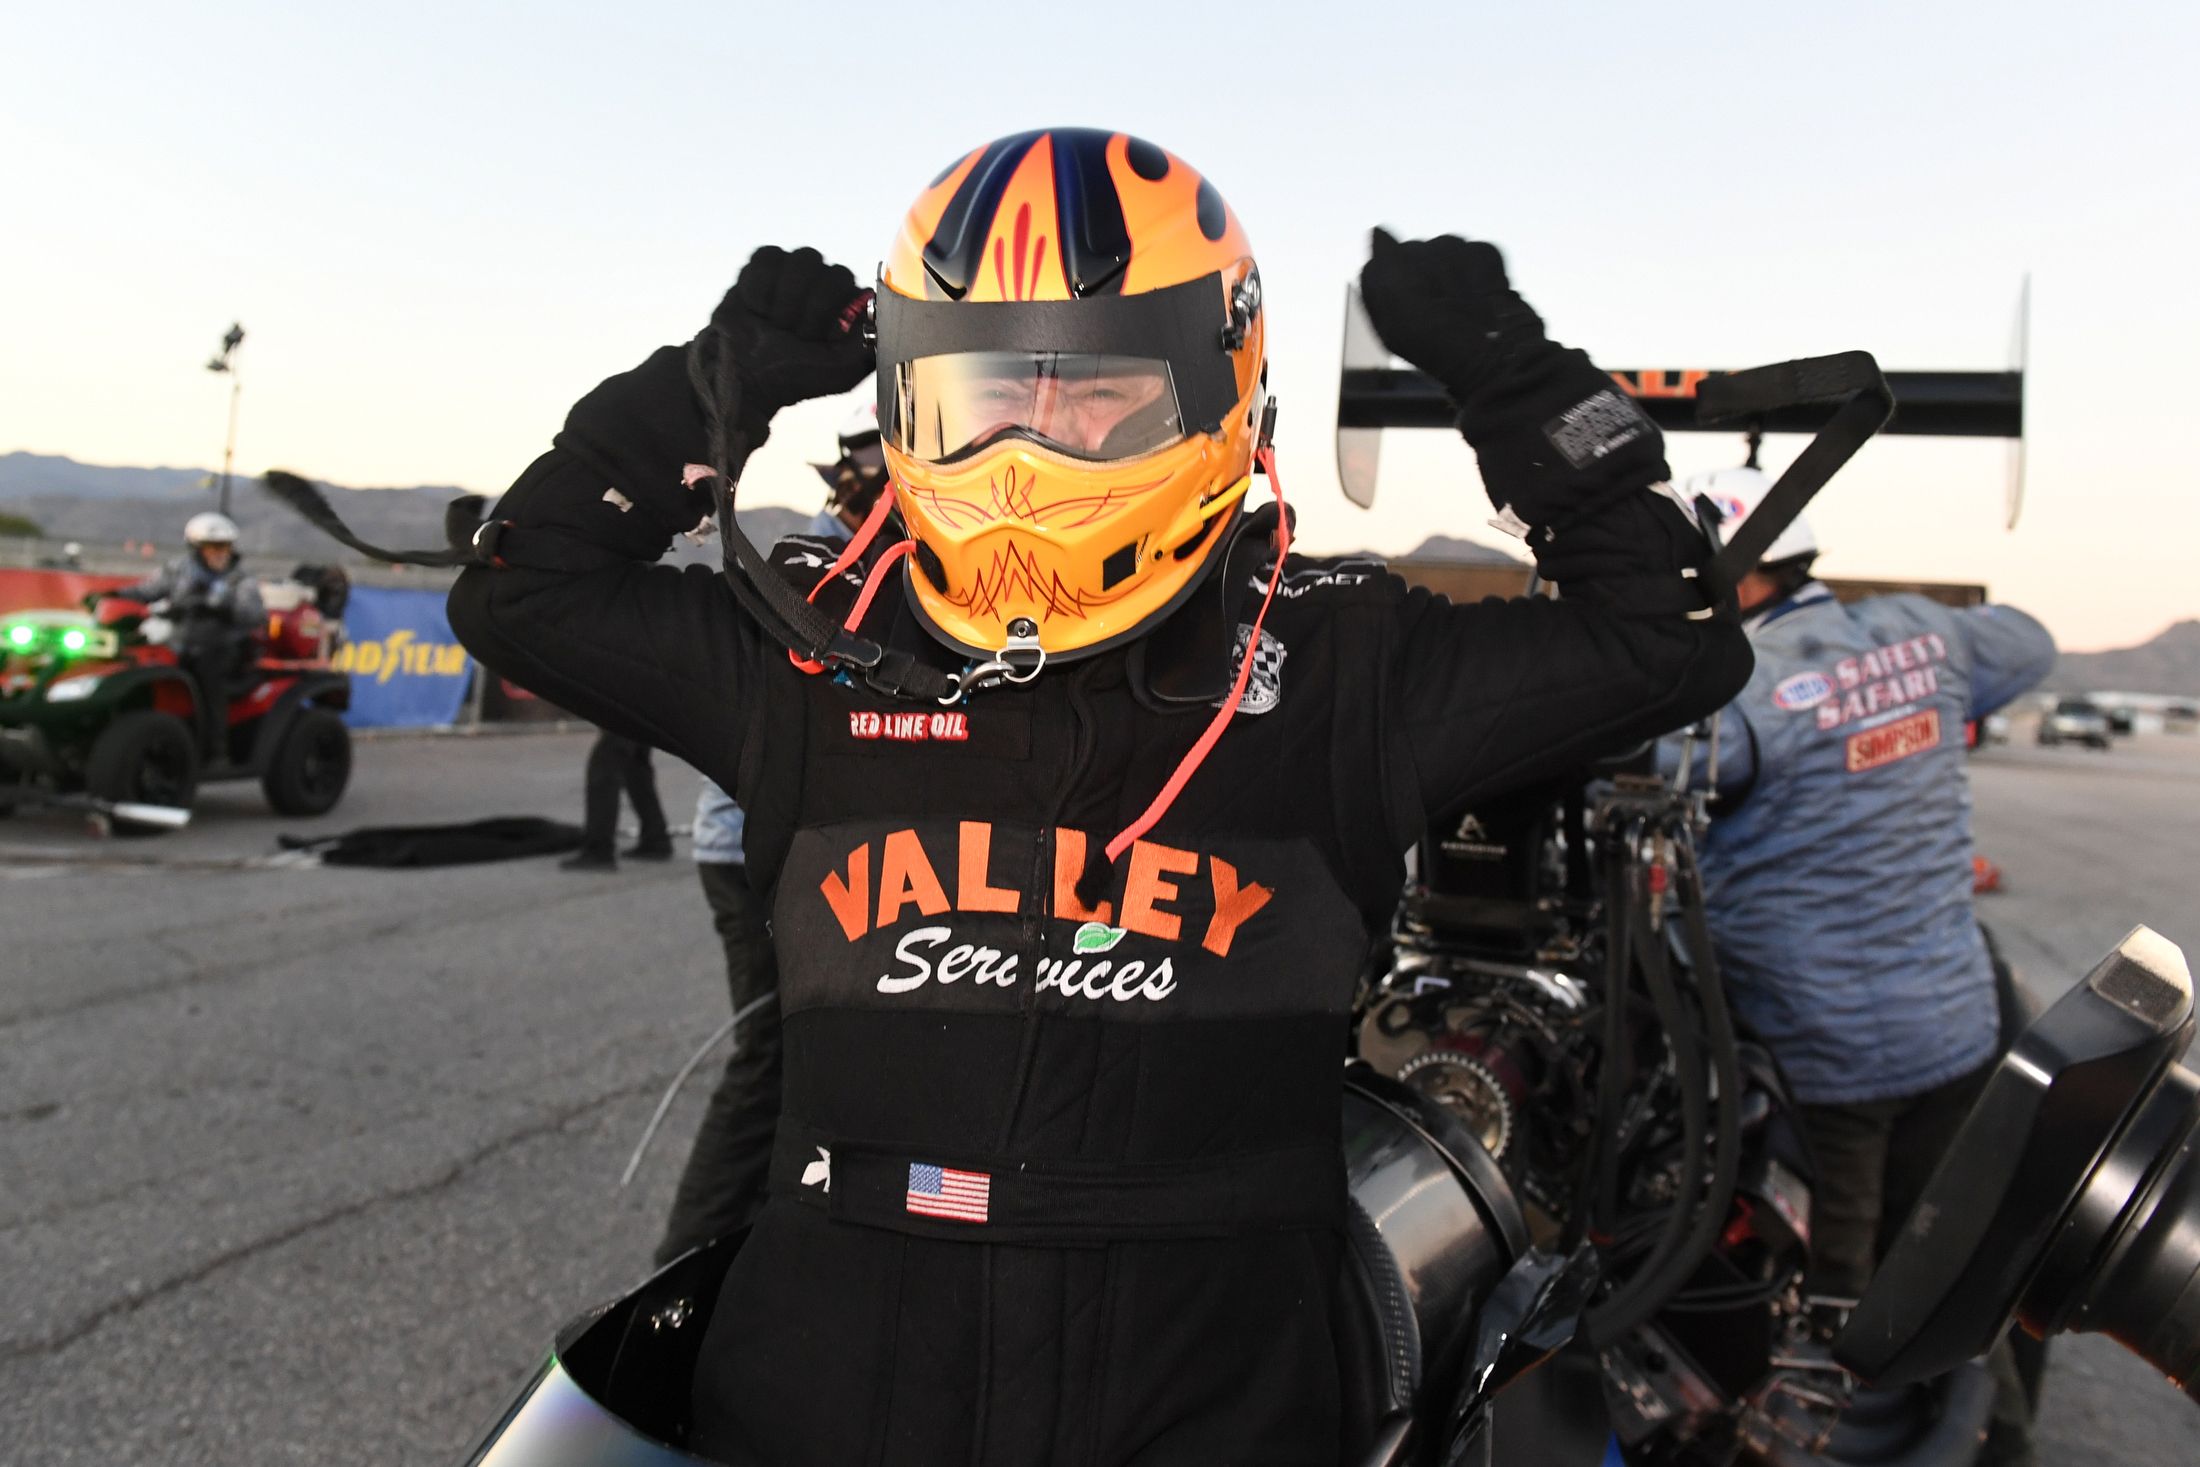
{"x":225,"y":361}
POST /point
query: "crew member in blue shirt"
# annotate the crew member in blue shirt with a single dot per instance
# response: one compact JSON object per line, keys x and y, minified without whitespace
{"x":1838,"y":877}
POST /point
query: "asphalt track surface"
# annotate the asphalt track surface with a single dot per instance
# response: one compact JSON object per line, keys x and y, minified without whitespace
{"x":308,"y":1164}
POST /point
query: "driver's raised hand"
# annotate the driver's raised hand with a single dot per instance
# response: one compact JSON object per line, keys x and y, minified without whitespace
{"x":1555,"y":437}
{"x":1445,"y":305}
{"x":795,"y":325}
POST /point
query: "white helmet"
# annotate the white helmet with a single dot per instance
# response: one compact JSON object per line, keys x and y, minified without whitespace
{"x":210,"y":528}
{"x":1737,"y":493}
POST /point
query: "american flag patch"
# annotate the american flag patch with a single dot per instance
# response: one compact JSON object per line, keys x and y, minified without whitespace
{"x":941,"y":1191}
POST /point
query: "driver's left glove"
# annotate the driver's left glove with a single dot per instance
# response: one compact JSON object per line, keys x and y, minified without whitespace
{"x":1556,"y":437}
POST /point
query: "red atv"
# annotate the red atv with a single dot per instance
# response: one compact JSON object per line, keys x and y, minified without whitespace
{"x":97,"y":711}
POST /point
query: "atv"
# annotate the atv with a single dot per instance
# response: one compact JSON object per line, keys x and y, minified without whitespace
{"x":98,"y":712}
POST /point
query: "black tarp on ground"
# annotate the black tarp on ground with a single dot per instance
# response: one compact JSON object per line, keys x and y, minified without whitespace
{"x":498,"y":838}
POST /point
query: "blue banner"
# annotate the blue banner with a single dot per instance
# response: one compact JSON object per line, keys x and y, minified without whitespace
{"x":407,"y":669}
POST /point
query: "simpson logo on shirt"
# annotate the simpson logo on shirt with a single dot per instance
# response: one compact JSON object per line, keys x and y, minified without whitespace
{"x":1877,"y":747}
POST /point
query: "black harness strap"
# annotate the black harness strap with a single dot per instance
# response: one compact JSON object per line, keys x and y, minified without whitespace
{"x":1853,"y":380}
{"x":462,"y":522}
{"x":786,"y":616}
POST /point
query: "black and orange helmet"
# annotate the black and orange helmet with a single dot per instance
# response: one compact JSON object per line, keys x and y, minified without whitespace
{"x":1069,"y":372}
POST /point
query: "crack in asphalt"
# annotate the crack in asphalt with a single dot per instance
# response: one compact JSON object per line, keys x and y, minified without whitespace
{"x":224,"y":967}
{"x":391,"y":1119}
{"x":129,"y":1304}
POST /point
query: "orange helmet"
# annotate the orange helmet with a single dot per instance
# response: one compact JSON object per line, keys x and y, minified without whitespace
{"x":1069,"y":374}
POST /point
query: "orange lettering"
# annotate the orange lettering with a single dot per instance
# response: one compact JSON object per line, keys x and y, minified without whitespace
{"x":905,"y":876}
{"x":1069,"y":864}
{"x":1661,"y":383}
{"x":1234,"y":904}
{"x":972,"y":894}
{"x":850,"y":899}
{"x":1148,"y":886}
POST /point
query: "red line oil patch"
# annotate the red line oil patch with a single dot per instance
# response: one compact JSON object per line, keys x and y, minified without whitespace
{"x":1897,"y":740}
{"x":910,"y":728}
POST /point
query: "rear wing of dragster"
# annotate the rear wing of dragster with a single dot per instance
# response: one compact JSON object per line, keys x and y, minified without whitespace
{"x":1373,"y":394}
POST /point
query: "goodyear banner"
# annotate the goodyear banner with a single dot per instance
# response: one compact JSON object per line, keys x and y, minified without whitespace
{"x":407,"y":670}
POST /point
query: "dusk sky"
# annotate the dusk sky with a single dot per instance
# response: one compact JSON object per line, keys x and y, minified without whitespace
{"x":441,"y":224}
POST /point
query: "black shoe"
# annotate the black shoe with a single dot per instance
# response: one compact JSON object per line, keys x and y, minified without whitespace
{"x":589,"y":861}
{"x":649,"y":851}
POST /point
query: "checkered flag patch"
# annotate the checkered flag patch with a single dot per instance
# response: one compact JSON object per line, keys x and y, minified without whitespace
{"x":1264,"y":689}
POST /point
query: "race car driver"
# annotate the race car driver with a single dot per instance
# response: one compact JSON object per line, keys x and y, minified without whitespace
{"x":215,"y":607}
{"x":1065,"y":963}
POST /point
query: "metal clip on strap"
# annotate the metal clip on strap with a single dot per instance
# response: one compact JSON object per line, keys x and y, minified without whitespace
{"x":1020,"y":659}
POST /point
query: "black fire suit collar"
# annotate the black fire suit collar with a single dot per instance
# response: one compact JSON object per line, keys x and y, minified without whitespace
{"x":1184,"y":661}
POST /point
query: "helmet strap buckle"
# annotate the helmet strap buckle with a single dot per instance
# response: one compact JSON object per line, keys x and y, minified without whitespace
{"x":1020,"y":659}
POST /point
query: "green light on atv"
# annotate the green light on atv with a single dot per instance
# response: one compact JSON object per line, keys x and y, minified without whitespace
{"x":21,"y":636}
{"x":72,"y":641}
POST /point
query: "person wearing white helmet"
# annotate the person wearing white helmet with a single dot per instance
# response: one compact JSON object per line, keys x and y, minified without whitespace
{"x":1736,"y":493}
{"x":1838,"y":878}
{"x":215,"y":607}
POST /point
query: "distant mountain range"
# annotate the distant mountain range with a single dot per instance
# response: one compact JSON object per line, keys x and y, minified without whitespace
{"x":1461,"y":552}
{"x":2169,"y":664}
{"x":104,"y":505}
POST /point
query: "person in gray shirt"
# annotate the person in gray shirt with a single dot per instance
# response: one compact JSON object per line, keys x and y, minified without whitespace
{"x":722,"y":1186}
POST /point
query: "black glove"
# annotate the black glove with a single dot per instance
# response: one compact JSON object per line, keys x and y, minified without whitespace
{"x":1556,"y":437}
{"x":795,"y":327}
{"x":1444,"y":305}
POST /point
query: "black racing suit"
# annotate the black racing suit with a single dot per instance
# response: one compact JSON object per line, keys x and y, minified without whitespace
{"x":1140,"y":1063}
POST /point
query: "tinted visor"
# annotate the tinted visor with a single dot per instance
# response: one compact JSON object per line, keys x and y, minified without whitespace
{"x":1090,"y":406}
{"x":1043,"y":364}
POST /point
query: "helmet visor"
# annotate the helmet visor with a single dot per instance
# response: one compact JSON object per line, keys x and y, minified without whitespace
{"x":1094,"y":407}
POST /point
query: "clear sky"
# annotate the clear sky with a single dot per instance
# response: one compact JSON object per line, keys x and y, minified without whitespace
{"x":441,"y":223}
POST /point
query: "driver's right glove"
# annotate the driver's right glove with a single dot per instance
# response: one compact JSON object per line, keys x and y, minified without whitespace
{"x":791,"y":328}
{"x":795,"y":327}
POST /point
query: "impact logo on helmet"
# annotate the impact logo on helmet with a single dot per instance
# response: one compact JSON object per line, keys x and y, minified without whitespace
{"x":1803,"y":691}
